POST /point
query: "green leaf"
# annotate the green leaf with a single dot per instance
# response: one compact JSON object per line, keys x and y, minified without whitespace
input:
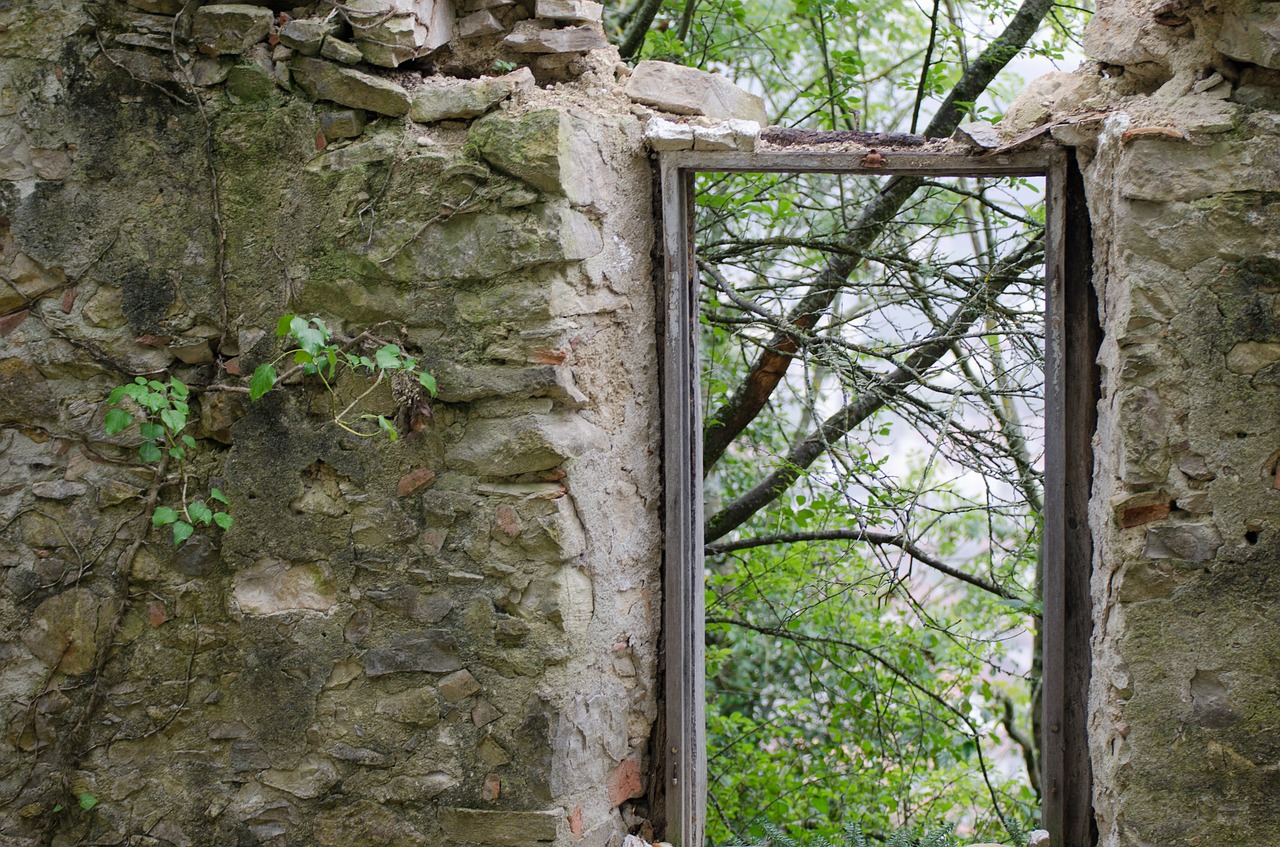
{"x":264,"y":377}
{"x":117,"y":420}
{"x":181,"y":532}
{"x":388,"y":357}
{"x":302,"y":357}
{"x":163,"y":516}
{"x":178,"y":388}
{"x":174,"y":420}
{"x":216,"y":494}
{"x":117,"y":394}
{"x":428,"y":382}
{"x":200,"y":513}
{"x":151,"y":431}
{"x":222,"y":519}
{"x":87,"y":800}
{"x":385,"y":426}
{"x":332,"y":356}
{"x":189,"y":441}
{"x":178,"y":453}
{"x":149,"y":452}
{"x":282,"y":325}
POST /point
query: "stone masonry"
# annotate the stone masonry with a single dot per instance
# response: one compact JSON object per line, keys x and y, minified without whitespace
{"x":1177,"y":128}
{"x":452,"y":638}
{"x":445,"y":639}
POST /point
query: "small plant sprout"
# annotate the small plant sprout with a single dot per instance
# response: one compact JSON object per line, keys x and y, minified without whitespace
{"x":316,"y":353}
{"x":162,"y":413}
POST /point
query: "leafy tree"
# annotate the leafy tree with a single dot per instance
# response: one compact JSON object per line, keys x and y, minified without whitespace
{"x":873,"y":362}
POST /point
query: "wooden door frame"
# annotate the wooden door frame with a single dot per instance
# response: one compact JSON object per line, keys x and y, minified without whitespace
{"x":1071,"y":394}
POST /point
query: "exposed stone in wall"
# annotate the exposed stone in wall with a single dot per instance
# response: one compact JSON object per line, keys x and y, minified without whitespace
{"x":391,"y":640}
{"x":1181,"y":153}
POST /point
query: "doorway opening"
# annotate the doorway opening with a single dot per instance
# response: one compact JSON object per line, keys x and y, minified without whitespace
{"x":903,"y":469}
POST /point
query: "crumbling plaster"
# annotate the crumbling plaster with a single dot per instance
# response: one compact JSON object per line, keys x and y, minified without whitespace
{"x":1177,"y":128}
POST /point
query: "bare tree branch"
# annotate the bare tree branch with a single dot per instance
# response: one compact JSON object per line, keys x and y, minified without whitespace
{"x":870,"y":536}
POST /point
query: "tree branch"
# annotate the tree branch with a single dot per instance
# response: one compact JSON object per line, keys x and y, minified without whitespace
{"x":728,"y":421}
{"x":870,"y":536}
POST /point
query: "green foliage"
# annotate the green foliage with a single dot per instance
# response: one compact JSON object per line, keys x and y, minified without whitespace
{"x":844,"y":677}
{"x":318,"y":354}
{"x":162,"y":412}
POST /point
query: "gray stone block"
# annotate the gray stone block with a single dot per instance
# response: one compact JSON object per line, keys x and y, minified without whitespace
{"x":229,"y":28}
{"x":528,"y":37}
{"x":463,"y":99}
{"x":689,"y":91}
{"x":348,"y":87}
{"x":572,"y":11}
{"x":435,"y":651}
{"x":306,"y":35}
{"x":501,"y":829}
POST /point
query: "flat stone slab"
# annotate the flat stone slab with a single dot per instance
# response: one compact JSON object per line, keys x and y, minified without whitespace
{"x":689,"y":91}
{"x":461,"y":99}
{"x":501,"y":829}
{"x":571,"y":11}
{"x":229,"y":27}
{"x":349,"y":87}
{"x":528,"y":38}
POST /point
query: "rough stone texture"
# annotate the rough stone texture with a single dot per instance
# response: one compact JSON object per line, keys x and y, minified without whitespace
{"x":453,"y":99}
{"x":689,"y":91}
{"x":390,"y":32}
{"x":391,"y":640}
{"x":229,"y":27}
{"x":1185,"y":206}
{"x":349,"y":87}
{"x":573,"y":11}
{"x":532,"y":37}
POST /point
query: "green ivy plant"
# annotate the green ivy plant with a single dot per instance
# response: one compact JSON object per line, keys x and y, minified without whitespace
{"x":162,"y":410}
{"x":316,"y":352}
{"x":165,"y":413}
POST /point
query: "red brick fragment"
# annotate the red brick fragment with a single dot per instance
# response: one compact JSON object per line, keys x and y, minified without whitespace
{"x":9,"y":323}
{"x":414,"y":481}
{"x":156,"y":613}
{"x":492,"y":788}
{"x":575,"y":822}
{"x":1139,"y":515}
{"x":68,"y":300}
{"x":624,"y":783}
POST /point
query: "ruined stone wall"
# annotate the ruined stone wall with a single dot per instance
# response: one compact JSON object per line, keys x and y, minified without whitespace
{"x":1177,"y":127}
{"x":393,"y":637}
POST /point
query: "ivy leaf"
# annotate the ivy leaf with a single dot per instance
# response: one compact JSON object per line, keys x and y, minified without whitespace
{"x":181,"y":532}
{"x":264,"y":377}
{"x":283,"y":325}
{"x":151,"y":431}
{"x":428,"y":382}
{"x":174,"y":420}
{"x":178,"y":388}
{"x":117,"y":394}
{"x":216,"y":494}
{"x":189,"y":441}
{"x":178,"y":453}
{"x":388,"y":357}
{"x":385,"y":426}
{"x":117,"y":420}
{"x":163,"y":516}
{"x":200,"y":512}
{"x":87,"y":800}
{"x":222,"y":519}
{"x":149,"y":452}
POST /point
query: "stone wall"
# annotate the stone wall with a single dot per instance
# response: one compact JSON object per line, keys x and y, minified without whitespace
{"x":393,"y":637}
{"x":1178,"y":129}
